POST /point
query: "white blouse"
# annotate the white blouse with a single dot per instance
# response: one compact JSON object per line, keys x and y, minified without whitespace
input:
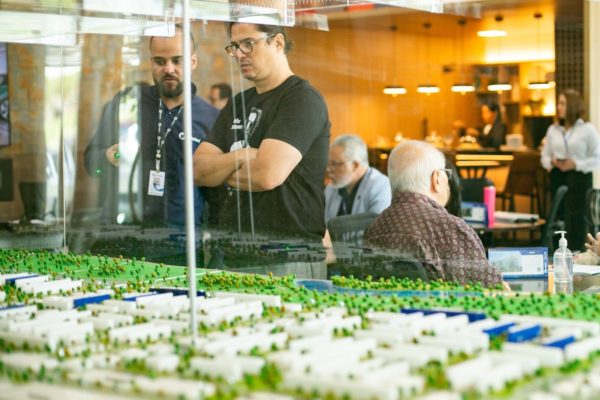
{"x":580,"y":143}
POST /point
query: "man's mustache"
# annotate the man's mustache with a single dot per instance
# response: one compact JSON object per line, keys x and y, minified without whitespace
{"x":169,"y":77}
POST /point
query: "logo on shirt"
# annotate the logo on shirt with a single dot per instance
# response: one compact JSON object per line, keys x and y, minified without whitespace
{"x":237,"y":124}
{"x":182,"y":136}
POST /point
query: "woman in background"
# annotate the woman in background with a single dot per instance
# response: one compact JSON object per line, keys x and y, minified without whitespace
{"x":494,"y":130}
{"x":571,"y":152}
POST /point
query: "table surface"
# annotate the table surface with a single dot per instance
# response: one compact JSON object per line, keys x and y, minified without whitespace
{"x":504,"y":226}
{"x":581,"y":282}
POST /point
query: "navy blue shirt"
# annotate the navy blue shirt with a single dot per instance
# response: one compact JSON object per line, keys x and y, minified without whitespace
{"x":170,"y":208}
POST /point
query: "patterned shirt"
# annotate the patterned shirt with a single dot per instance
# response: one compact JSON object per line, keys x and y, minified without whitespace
{"x":447,"y":247}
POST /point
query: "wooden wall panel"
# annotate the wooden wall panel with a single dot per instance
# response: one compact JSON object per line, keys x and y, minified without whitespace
{"x":28,"y":144}
{"x":354,"y":61}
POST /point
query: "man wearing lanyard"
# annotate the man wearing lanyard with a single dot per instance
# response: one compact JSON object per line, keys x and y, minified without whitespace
{"x":160,"y":154}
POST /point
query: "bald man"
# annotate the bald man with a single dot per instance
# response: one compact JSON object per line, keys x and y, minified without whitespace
{"x":417,"y":224}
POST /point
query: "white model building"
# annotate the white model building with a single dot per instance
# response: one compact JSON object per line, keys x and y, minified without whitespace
{"x":377,"y":356}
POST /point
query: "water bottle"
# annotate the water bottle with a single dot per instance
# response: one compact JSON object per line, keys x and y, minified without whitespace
{"x":563,"y":266}
{"x":489,"y":199}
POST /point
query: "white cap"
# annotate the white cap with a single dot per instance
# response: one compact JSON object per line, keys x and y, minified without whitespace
{"x":562,"y":243}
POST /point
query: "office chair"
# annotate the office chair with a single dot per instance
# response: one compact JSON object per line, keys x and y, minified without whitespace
{"x":471,"y":189}
{"x":350,"y":228}
{"x":407,"y":267}
{"x":592,"y":210}
{"x":522,"y":180}
{"x":347,"y":231}
{"x":377,"y":264}
{"x":552,"y":224}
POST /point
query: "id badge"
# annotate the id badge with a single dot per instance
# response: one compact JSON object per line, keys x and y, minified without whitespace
{"x":240,"y":144}
{"x":156,"y":183}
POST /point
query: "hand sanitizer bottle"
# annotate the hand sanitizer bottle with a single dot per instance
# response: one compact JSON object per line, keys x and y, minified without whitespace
{"x":563,"y":266}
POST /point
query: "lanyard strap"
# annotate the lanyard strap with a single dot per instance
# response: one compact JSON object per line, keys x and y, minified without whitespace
{"x":161,"y":141}
{"x":565,"y":137}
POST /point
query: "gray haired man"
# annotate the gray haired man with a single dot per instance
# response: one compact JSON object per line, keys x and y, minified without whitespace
{"x":355,"y":187}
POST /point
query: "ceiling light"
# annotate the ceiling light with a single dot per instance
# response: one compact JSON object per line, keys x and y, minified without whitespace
{"x":492,"y":33}
{"x":428,"y":89}
{"x":462,"y":88}
{"x":538,"y":83}
{"x":499,"y":87}
{"x":541,"y":85}
{"x":394,"y":90}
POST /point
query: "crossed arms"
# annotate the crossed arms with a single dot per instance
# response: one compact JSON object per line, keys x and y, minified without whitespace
{"x":248,"y":169}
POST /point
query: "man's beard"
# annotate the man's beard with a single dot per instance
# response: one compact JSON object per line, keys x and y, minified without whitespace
{"x":168,"y":91}
{"x":342,"y":182}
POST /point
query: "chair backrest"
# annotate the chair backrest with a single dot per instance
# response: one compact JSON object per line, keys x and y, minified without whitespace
{"x":408,"y":267}
{"x":522,"y":175}
{"x":471,"y":189}
{"x":592,"y":211}
{"x":350,"y":228}
{"x":365,"y":262}
{"x":551,"y":223}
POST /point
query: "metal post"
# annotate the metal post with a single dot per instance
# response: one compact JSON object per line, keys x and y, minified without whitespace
{"x":190,"y":223}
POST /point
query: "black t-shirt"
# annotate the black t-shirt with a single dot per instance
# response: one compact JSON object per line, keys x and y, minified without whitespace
{"x":294,"y":113}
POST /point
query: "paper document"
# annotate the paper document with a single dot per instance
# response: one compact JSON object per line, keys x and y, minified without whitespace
{"x":583,"y":269}
{"x":515,"y":216}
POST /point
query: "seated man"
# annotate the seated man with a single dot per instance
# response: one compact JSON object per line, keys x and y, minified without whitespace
{"x":417,"y":223}
{"x":355,"y":187}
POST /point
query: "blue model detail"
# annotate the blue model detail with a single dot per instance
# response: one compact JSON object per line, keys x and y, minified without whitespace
{"x":82,"y":301}
{"x":518,"y":334}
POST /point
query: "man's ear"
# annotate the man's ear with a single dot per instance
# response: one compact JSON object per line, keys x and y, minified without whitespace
{"x":194,"y":60}
{"x":279,"y":41}
{"x":435,"y":182}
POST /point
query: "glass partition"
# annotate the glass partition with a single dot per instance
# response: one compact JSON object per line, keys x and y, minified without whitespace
{"x":84,"y":116}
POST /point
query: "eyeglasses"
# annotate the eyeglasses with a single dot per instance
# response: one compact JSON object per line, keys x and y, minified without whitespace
{"x":336,"y":164}
{"x":245,"y":46}
{"x":448,"y":172}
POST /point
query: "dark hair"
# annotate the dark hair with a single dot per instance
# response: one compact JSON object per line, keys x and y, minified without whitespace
{"x":574,"y":107}
{"x":269,"y":30}
{"x":178,"y":27}
{"x":453,"y":205}
{"x":495,"y":108}
{"x":225,"y":91}
{"x":492,"y":106}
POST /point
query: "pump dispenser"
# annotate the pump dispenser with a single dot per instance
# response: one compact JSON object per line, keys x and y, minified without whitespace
{"x":563,"y":266}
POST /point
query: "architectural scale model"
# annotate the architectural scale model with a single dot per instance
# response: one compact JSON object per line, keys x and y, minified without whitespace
{"x":82,"y":327}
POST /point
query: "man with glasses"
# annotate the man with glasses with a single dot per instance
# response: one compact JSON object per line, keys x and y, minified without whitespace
{"x":269,"y":145}
{"x":159,"y":115}
{"x":355,"y":187}
{"x":417,"y":224}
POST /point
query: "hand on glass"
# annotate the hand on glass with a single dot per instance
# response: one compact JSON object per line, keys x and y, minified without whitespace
{"x":113,"y":155}
{"x":593,"y":243}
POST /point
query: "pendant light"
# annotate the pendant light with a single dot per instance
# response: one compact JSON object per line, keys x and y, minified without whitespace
{"x":428,"y":88}
{"x":394,"y":90}
{"x":499,"y":86}
{"x":462,"y":87}
{"x":539,"y":83}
